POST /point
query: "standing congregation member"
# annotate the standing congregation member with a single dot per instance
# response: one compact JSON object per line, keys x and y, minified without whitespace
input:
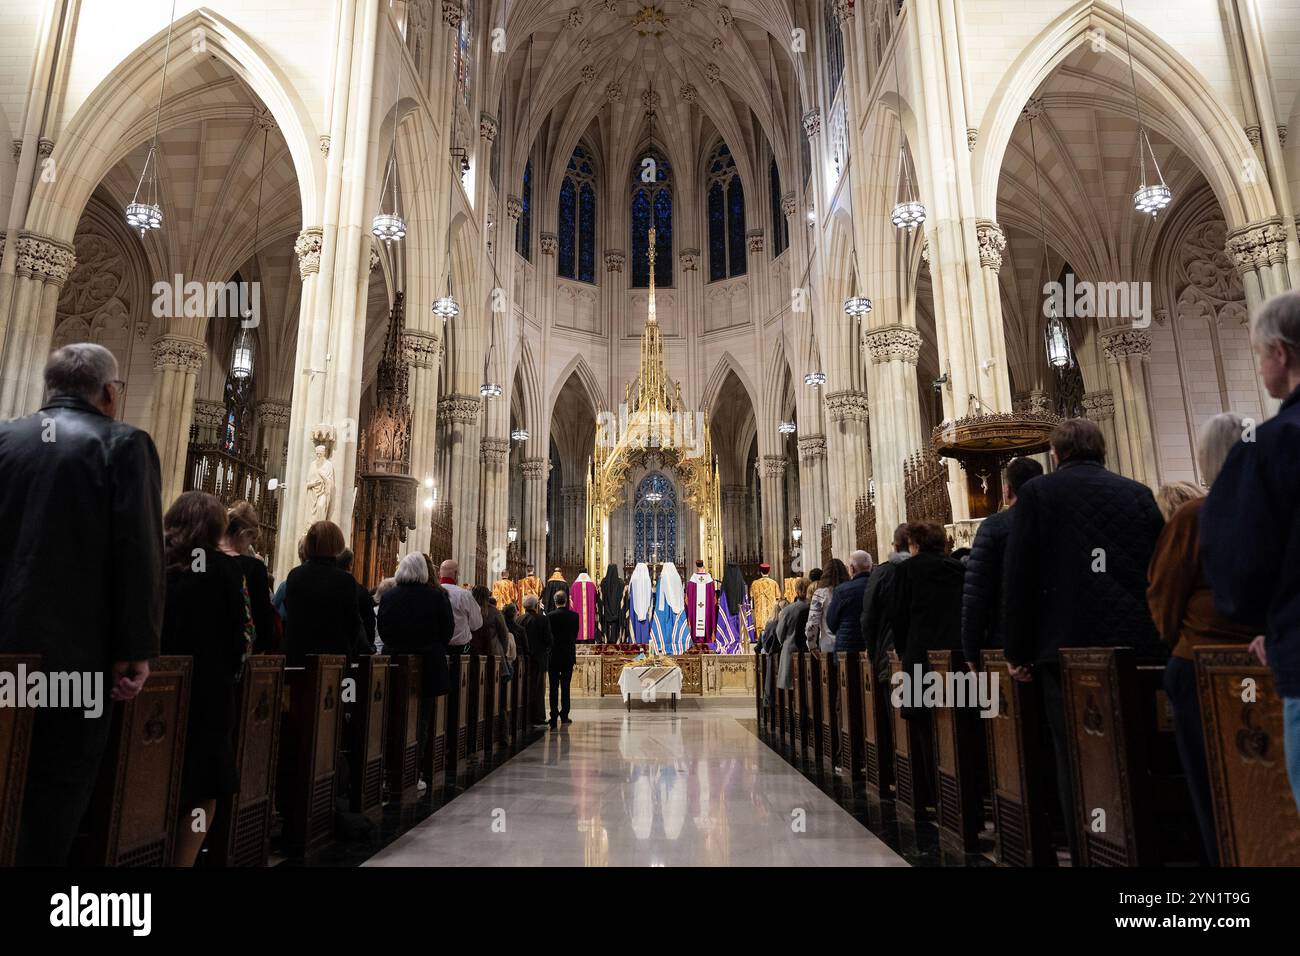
{"x":611,"y":606}
{"x":791,"y":629}
{"x":365,"y":600}
{"x":1250,"y":524}
{"x":564,"y":637}
{"x":71,"y":473}
{"x":981,"y":603}
{"x":469,"y":617}
{"x":844,"y":612}
{"x":538,"y":628}
{"x":321,"y":600}
{"x":1075,"y":575}
{"x":492,"y":636}
{"x":1182,"y":607}
{"x":206,"y":617}
{"x":877,"y":606}
{"x":817,"y":630}
{"x":238,"y":541}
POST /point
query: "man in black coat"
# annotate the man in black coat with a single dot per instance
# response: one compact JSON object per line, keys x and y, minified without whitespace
{"x":77,"y":487}
{"x":981,"y":603}
{"x":538,"y":628}
{"x":564,"y":654}
{"x":877,"y":601}
{"x":1075,"y":575}
{"x":365,"y":601}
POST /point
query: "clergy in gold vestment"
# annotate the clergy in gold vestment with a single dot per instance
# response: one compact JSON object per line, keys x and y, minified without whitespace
{"x":504,"y":592}
{"x":763,"y":593}
{"x":529,"y":584}
{"x":790,"y":589}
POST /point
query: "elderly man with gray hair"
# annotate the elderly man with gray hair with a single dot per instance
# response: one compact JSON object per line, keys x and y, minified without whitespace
{"x":80,"y":487}
{"x":538,"y":628}
{"x":1250,"y":523}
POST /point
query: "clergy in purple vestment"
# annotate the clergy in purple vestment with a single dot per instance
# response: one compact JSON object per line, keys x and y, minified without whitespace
{"x":582,"y":596}
{"x":701,"y":605}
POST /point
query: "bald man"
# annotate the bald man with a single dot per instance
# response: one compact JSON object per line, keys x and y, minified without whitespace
{"x":844,"y":614}
{"x":464,"y":609}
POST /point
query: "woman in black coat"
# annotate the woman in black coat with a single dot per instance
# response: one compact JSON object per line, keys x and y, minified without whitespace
{"x":205,"y":616}
{"x":321,"y":600}
{"x":238,"y":541}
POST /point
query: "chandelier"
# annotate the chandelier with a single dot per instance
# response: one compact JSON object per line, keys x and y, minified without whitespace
{"x":857,"y":306}
{"x":815,"y":379}
{"x":796,"y":532}
{"x":445,"y":307}
{"x":1149,"y":198}
{"x":143,"y":211}
{"x":786,"y":428}
{"x":512,"y":532}
{"x":519,"y":434}
{"x":242,"y":354}
{"x":909,"y":211}
{"x":390,"y":226}
{"x":1057,"y":338}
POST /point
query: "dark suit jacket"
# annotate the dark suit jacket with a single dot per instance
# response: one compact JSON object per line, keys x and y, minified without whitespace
{"x":321,"y":601}
{"x":259,"y":600}
{"x":926,"y":612}
{"x":564,"y":637}
{"x":981,"y":600}
{"x":844,"y":614}
{"x":538,"y":627}
{"x":417,"y":619}
{"x":80,"y":495}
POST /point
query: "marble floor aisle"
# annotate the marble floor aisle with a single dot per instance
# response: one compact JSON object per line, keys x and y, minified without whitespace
{"x":643,"y":789}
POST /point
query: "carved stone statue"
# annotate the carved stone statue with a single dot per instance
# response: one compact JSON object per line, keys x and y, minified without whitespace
{"x":320,"y":486}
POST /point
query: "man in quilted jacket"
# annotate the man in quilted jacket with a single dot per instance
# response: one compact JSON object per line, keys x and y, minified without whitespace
{"x":1250,"y":524}
{"x":1076,"y":574}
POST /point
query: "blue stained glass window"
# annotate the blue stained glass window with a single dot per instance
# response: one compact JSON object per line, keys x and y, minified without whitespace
{"x":568,"y":221}
{"x":587,"y":233}
{"x":577,"y":218}
{"x":780,"y":228}
{"x":736,"y":225}
{"x":717,"y":234}
{"x":652,"y":199}
{"x":524,"y":228}
{"x":655,"y":522}
{"x":726,"y":213}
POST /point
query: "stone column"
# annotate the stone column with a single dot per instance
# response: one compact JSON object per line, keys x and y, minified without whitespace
{"x":208,"y":417}
{"x":813,"y":503}
{"x":176,"y":363}
{"x":850,"y":466}
{"x":423,"y":353}
{"x":273,"y":415}
{"x":1259,"y":252}
{"x":1128,"y":352}
{"x":894,"y":350}
{"x":1099,"y":406}
{"x":462,"y":416}
{"x":774,"y":520}
{"x":992,"y":242}
{"x":42,"y":266}
{"x":494,"y":453}
{"x":533,"y":520}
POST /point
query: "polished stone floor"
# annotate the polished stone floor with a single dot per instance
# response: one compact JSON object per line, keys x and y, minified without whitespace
{"x":643,"y":789}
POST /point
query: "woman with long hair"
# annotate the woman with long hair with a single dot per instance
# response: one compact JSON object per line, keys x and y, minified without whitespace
{"x":204,"y":617}
{"x":321,"y":600}
{"x":239,"y":541}
{"x":820,"y":637}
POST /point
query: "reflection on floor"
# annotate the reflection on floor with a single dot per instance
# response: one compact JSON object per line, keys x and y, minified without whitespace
{"x":643,"y":789}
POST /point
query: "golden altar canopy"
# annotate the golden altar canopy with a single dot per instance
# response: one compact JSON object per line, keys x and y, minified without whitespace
{"x":653,"y":428}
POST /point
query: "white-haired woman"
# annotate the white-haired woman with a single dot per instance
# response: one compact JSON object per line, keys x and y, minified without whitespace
{"x":1182,"y":607}
{"x":415,"y":618}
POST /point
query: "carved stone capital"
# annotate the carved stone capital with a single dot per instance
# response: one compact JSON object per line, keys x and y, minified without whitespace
{"x":754,"y":239}
{"x":843,"y":11}
{"x":1257,"y":244}
{"x":178,"y":353}
{"x":614,"y":259}
{"x":972,"y":138}
{"x":588,"y":73}
{"x":992,"y":242}
{"x":457,"y":409}
{"x":848,"y":405}
{"x":374,"y":254}
{"x":45,"y":146}
{"x":514,"y":207}
{"x":1252,"y":135}
{"x":487,"y":126}
{"x":45,"y":259}
{"x":421,"y":349}
{"x":688,"y":93}
{"x":307,"y":247}
{"x":811,"y":447}
{"x":549,"y":243}
{"x":712,"y":73}
{"x":574,"y":18}
{"x":273,"y":413}
{"x":723,"y":18}
{"x":893,"y":343}
{"x":614,"y":92}
{"x":494,"y":451}
{"x":772,"y":466}
{"x":1099,"y":405}
{"x":208,"y":414}
{"x":925,"y":251}
{"x":1117,"y":343}
{"x":535,"y":469}
{"x":812,"y":123}
{"x":452,"y":13}
{"x":690,"y":260}
{"x":788,"y":205}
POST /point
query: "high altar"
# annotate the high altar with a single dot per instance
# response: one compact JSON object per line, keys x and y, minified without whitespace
{"x":653,"y":429}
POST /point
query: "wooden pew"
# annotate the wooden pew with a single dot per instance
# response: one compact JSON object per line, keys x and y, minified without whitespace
{"x":242,"y":833}
{"x":313,"y":730}
{"x":781,"y":717}
{"x":1022,"y":818}
{"x":366,"y":733}
{"x":877,"y":741}
{"x":15,"y":746}
{"x":520,"y":695}
{"x":507,"y":714}
{"x":457,"y":733}
{"x":812,"y":695}
{"x":402,"y":766}
{"x":475,"y":731}
{"x":850,"y":713}
{"x":440,"y":746}
{"x":1130,"y":800}
{"x":829,"y":691}
{"x":909,"y":777}
{"x":798,"y":708}
{"x":959,"y":758}
{"x":760,"y":705}
{"x":1255,"y":814}
{"x":132,"y":816}
{"x":491,"y":684}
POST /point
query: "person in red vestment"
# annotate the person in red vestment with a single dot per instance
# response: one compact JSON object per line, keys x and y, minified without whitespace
{"x":582,"y":598}
{"x":701,"y":605}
